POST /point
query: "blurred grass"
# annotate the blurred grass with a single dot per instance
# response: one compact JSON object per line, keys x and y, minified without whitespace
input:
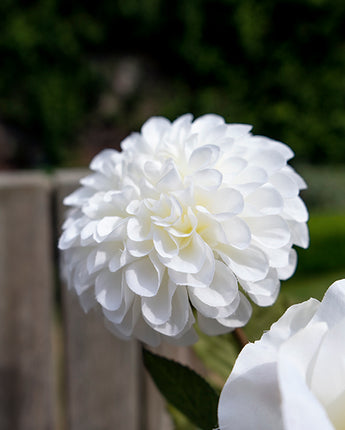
{"x":318,"y":267}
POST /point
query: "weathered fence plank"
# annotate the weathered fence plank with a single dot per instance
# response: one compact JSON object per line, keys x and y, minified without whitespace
{"x":104,"y":374}
{"x":26,"y":369}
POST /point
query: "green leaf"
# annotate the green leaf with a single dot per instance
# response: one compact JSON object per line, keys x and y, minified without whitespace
{"x":184,"y":389}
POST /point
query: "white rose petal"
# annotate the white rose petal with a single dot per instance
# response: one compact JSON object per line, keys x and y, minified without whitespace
{"x":293,"y":378}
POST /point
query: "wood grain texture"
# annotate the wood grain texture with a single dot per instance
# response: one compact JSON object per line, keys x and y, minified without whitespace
{"x":103,"y":373}
{"x":26,"y":285}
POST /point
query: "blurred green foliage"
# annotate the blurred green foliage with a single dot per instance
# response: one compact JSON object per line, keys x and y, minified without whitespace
{"x":326,"y":251}
{"x":277,"y":64}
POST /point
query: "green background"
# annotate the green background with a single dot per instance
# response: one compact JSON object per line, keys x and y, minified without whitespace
{"x":277,"y":64}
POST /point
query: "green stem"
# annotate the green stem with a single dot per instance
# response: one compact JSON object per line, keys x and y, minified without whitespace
{"x":240,"y":337}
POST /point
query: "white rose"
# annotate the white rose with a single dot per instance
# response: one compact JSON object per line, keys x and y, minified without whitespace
{"x":293,"y":378}
{"x":184,"y":214}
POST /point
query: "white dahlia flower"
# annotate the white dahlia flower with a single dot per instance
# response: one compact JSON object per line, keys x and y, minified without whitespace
{"x":186,"y":213}
{"x":294,"y":377}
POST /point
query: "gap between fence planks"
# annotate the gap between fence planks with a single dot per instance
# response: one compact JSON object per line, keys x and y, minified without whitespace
{"x":92,"y":380}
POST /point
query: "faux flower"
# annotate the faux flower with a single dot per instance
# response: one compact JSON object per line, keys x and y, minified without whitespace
{"x":293,"y":378}
{"x":183,"y":216}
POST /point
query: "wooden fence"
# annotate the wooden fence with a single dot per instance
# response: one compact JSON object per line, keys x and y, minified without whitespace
{"x":59,"y":368}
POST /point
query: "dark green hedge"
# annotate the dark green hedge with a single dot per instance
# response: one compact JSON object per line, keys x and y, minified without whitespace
{"x":275,"y":63}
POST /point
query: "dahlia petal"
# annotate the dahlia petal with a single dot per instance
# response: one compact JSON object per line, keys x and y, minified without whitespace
{"x":98,"y":182}
{"x":171,"y":180}
{"x":265,"y":292}
{"x":227,"y":145}
{"x":225,"y":200}
{"x":237,"y":232}
{"x":287,"y":271}
{"x":249,"y":179}
{"x":214,"y":311}
{"x":209,"y":179}
{"x":185,"y":226}
{"x":204,"y":156}
{"x":139,"y":249}
{"x":119,"y":258}
{"x":108,"y":289}
{"x":249,"y":264}
{"x":130,"y":319}
{"x":222,"y":290}
{"x":271,"y":231}
{"x":144,"y":333}
{"x":154,"y":129}
{"x":97,"y":260}
{"x":184,"y":198}
{"x":210,"y":228}
{"x":133,"y":207}
{"x":296,"y":209}
{"x":136,"y":145}
{"x":96,"y":207}
{"x":180,"y":129}
{"x":157,"y":309}
{"x":241,"y":315}
{"x":152,"y":170}
{"x":271,"y":161}
{"x":187,"y":337}
{"x":205,"y":122}
{"x":284,"y":184}
{"x":139,"y":229}
{"x":105,"y":160}
{"x":87,"y":233}
{"x":73,"y":216}
{"x":264,"y":201}
{"x":87,"y":300}
{"x":117,"y":316}
{"x":232,"y":166}
{"x":80,"y":277}
{"x":143,"y":277}
{"x":267,"y":144}
{"x":164,"y":244}
{"x":238,"y":130}
{"x":211,"y":326}
{"x":203,"y":278}
{"x":190,"y":259}
{"x":78,"y":197}
{"x":180,"y":315}
{"x":296,"y":177}
{"x":119,"y":199}
{"x":69,"y":237}
{"x":278,"y":257}
{"x":299,"y":233}
{"x":109,"y":227}
{"x":214,"y":135}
